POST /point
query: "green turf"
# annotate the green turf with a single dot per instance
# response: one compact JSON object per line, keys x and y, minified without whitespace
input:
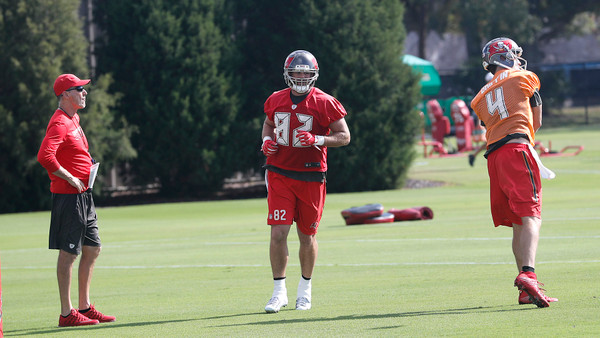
{"x":202,"y":269}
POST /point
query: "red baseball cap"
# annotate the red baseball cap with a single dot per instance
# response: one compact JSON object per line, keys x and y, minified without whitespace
{"x":66,"y":81}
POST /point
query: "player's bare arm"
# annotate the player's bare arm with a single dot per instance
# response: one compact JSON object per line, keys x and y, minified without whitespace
{"x":339,"y":135}
{"x":268,"y":128}
{"x":537,"y":117}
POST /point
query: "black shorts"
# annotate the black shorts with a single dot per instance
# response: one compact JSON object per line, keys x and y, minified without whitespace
{"x":73,"y":222}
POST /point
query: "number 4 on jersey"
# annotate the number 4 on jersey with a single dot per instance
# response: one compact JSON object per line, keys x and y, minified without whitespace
{"x":497,"y":105}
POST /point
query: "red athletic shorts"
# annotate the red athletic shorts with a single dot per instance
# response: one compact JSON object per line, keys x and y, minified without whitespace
{"x":293,"y":200}
{"x":515,"y":184}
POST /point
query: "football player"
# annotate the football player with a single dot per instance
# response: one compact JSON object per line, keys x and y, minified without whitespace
{"x":510,"y":107}
{"x":301,"y":123}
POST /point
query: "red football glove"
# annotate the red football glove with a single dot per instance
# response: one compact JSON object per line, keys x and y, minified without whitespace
{"x":307,"y":139}
{"x":269,"y":147}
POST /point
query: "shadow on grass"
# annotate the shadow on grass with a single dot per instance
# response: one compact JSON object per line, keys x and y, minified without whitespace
{"x":460,"y":311}
{"x":83,"y":329}
{"x":278,"y":321}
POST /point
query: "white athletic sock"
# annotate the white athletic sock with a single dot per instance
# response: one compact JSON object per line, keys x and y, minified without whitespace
{"x":304,"y":288}
{"x":279,"y":288}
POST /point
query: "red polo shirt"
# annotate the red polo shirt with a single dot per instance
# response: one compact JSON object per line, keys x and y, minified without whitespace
{"x":65,"y":145}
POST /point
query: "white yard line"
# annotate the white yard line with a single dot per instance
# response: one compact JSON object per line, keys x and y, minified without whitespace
{"x":197,"y":266}
{"x":177,"y":241}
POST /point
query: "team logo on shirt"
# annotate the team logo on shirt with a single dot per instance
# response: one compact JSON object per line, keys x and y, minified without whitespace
{"x":77,"y":133}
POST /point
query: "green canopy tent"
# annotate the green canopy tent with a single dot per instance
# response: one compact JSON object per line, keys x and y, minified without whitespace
{"x":430,"y":79}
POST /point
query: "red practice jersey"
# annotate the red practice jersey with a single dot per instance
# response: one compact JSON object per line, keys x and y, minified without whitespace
{"x":314,"y":114}
{"x":503,"y":104}
{"x":65,"y":145}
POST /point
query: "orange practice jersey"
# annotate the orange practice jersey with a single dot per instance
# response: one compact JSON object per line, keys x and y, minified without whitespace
{"x":503,"y":104}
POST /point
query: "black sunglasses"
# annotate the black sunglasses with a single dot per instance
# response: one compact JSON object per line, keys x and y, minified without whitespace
{"x":78,"y":88}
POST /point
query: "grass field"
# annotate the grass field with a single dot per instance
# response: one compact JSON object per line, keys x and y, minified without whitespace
{"x":201,"y":269}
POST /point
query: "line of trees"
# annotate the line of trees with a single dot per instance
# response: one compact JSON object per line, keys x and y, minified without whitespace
{"x":178,"y":86}
{"x":178,"y":90}
{"x":39,"y":41}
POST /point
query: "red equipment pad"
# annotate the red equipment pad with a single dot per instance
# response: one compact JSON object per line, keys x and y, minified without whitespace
{"x":357,"y":215}
{"x":384,"y":218}
{"x":412,"y":214}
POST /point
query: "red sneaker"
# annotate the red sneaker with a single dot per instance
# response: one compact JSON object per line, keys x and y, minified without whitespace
{"x":524,"y":298}
{"x":76,"y":319}
{"x":92,"y":313}
{"x":527,"y":282}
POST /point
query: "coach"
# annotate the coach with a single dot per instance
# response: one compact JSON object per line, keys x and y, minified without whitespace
{"x":64,"y":153}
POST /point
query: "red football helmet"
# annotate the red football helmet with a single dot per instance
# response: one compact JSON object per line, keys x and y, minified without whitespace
{"x":503,"y":52}
{"x":300,"y":61}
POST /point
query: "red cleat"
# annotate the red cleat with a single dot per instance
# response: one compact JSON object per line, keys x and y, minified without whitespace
{"x":527,"y":282}
{"x":75,"y":319}
{"x":92,"y":313}
{"x":524,"y":298}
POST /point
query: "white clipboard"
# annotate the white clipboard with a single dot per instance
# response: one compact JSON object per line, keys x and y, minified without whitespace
{"x":93,"y":173}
